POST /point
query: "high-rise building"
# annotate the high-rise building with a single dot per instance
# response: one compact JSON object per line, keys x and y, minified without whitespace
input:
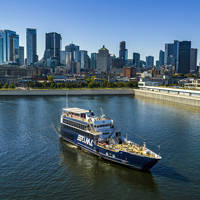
{"x":1,"y":50}
{"x":161,"y":58}
{"x":136,"y":60}
{"x":123,"y":53}
{"x":169,"y":54}
{"x":93,"y":61}
{"x":72,"y":57}
{"x":31,"y":46}
{"x":53,"y":46}
{"x":103,"y":60}
{"x":9,"y":47}
{"x":149,"y":61}
{"x":193,"y":59}
{"x":63,"y":58}
{"x":84,"y":60}
{"x":183,"y":59}
{"x":21,"y":55}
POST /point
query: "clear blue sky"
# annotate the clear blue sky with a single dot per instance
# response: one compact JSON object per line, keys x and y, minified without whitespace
{"x":144,"y":24}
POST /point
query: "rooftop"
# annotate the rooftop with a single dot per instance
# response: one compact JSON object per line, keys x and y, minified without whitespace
{"x":76,"y":110}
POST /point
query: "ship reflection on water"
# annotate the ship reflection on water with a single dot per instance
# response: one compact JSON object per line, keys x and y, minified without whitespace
{"x":101,"y":171}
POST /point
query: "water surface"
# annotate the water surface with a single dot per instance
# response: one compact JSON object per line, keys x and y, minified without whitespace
{"x":35,"y":164}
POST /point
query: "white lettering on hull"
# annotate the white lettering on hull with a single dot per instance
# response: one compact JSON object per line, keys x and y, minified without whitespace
{"x":85,"y":140}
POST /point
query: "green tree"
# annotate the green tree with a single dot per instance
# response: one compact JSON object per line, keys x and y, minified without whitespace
{"x":11,"y":85}
{"x":50,"y":78}
{"x":52,"y":85}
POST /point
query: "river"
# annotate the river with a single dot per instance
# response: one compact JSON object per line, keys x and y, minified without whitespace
{"x":36,"y":164}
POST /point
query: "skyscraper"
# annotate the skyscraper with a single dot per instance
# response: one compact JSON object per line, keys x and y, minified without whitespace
{"x":193,"y":59}
{"x":84,"y":60}
{"x":21,"y":55}
{"x":169,"y":54}
{"x":149,"y":61}
{"x":9,"y":47}
{"x":123,"y":53}
{"x":31,"y":46}
{"x":53,"y":47}
{"x":103,"y":60}
{"x":161,"y":58}
{"x":72,"y":57}
{"x":136,"y":60}
{"x":183,"y":60}
{"x":93,"y":60}
{"x":63,"y":58}
{"x":1,"y":50}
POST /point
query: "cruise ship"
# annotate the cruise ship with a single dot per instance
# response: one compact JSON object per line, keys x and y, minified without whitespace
{"x":97,"y":135}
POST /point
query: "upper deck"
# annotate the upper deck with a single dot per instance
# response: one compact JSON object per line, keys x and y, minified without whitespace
{"x":96,"y":124}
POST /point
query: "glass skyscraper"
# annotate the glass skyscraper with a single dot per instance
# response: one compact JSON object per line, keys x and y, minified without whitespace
{"x":136,"y":60}
{"x":31,"y":46}
{"x":123,"y":53}
{"x":21,"y":55}
{"x":183,"y":60}
{"x":72,"y":56}
{"x":161,"y":58}
{"x":149,"y":61}
{"x":53,"y":46}
{"x":93,"y":61}
{"x":9,"y":47}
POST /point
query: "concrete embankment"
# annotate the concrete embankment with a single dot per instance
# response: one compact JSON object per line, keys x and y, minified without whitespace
{"x":71,"y":92}
{"x":177,"y":98}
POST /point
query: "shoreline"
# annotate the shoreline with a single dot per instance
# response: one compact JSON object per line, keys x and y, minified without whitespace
{"x":168,"y":97}
{"x":64,"y":92}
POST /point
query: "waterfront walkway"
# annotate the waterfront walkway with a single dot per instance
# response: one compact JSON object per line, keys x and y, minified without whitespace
{"x":63,"y":92}
{"x":187,"y":97}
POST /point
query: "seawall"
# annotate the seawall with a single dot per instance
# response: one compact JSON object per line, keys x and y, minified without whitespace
{"x":177,"y":98}
{"x":71,"y":92}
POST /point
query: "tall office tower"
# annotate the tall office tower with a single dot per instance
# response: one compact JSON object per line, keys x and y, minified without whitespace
{"x":103,"y":60}
{"x":193,"y":59}
{"x":136,"y":60}
{"x":53,"y":47}
{"x":72,"y":56}
{"x":31,"y":46}
{"x":93,"y":61}
{"x":183,"y":59}
{"x":9,"y":47}
{"x":161,"y":58}
{"x":157,"y":64}
{"x":149,"y":61}
{"x":84,"y":60}
{"x":1,"y":50}
{"x":21,"y":55}
{"x":169,"y":54}
{"x":123,"y":53}
{"x":63,"y":58}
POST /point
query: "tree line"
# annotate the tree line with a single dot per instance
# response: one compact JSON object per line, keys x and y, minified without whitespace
{"x":81,"y":84}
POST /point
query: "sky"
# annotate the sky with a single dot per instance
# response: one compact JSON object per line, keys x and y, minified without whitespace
{"x":145,"y":25}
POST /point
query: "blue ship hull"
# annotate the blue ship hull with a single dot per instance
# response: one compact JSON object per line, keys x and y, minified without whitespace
{"x":124,"y":158}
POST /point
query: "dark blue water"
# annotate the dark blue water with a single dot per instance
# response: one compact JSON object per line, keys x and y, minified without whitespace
{"x":35,"y":164}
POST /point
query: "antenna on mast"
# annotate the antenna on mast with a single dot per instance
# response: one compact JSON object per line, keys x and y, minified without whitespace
{"x":67,"y":102}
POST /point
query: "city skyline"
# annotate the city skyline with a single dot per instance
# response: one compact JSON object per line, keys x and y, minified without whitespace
{"x":145,"y":30}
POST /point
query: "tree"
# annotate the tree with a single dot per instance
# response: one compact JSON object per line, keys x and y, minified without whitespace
{"x":50,"y":78}
{"x":11,"y":85}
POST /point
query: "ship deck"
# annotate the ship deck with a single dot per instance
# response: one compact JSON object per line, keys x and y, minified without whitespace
{"x":136,"y":149}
